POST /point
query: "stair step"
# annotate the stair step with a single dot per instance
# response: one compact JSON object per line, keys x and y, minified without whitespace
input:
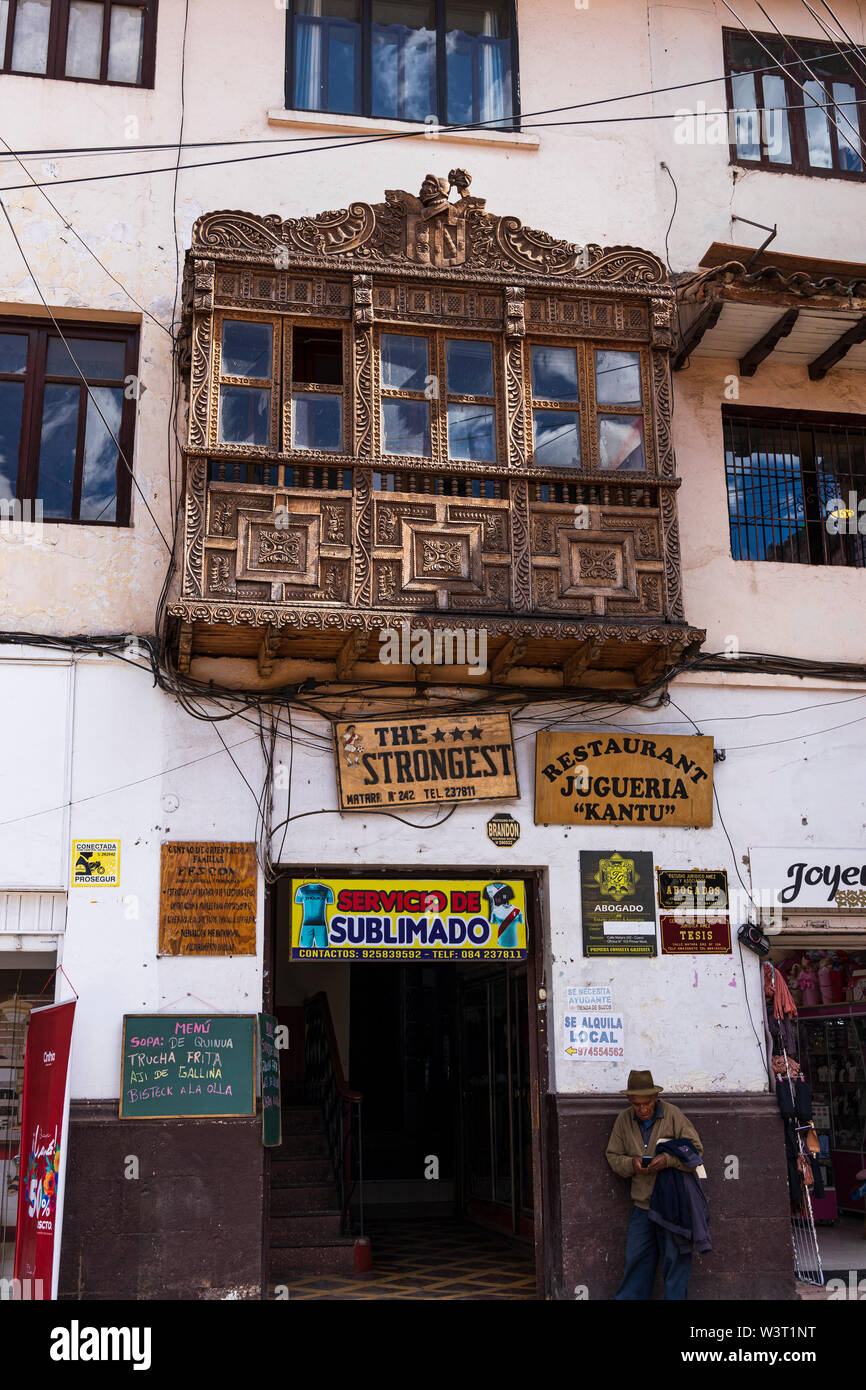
{"x":302,"y":1145}
{"x":288,"y":1227}
{"x":302,"y":1119}
{"x":303,"y":1196}
{"x":306,"y":1168}
{"x":317,"y":1257}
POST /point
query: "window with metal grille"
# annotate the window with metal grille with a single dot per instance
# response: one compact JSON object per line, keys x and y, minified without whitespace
{"x":796,"y":486}
{"x":803,"y":115}
{"x":80,"y":40}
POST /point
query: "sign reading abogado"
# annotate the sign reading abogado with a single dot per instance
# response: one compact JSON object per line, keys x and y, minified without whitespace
{"x":419,"y":762}
{"x":411,"y":919}
{"x":594,"y":778}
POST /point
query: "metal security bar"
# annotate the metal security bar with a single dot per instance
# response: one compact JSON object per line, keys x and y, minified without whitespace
{"x":796,"y":488}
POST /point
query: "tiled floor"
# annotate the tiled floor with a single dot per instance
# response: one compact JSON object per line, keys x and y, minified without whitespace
{"x":441,"y":1259}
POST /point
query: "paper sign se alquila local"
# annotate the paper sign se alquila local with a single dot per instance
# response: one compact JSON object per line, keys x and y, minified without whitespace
{"x":421,"y":762}
{"x":623,"y":779}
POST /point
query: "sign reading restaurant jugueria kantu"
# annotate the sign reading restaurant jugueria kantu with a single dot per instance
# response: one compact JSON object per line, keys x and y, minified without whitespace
{"x":408,"y":919}
{"x":616,"y":779}
{"x":419,"y":762}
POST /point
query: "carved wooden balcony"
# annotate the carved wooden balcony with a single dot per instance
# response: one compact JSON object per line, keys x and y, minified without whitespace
{"x":305,"y":554}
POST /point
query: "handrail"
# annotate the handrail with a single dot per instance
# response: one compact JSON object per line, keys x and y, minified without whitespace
{"x":325,"y":1082}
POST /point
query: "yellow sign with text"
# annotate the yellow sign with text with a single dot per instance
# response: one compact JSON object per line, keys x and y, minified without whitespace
{"x":95,"y":863}
{"x":408,"y":919}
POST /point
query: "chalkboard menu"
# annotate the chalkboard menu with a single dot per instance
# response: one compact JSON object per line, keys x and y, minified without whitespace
{"x":176,"y":1065}
{"x":269,"y":1063}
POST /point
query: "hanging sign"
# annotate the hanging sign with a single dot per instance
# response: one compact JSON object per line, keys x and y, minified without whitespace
{"x":690,"y":935}
{"x":420,"y":762}
{"x":269,"y":1072}
{"x":42,"y":1159}
{"x":618,"y":903}
{"x":408,"y":919}
{"x":503,"y":830}
{"x":207,"y":898}
{"x":602,"y":778}
{"x":95,"y":863}
{"x":174,"y":1065}
{"x":810,"y":878}
{"x":692,"y":890}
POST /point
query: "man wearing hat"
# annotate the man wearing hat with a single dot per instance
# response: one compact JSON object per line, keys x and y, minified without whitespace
{"x":630,"y":1152}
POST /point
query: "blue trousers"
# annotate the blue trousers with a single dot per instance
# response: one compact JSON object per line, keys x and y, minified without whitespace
{"x":645,"y":1245}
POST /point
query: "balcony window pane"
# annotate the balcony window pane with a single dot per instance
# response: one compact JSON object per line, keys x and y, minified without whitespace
{"x":556,"y":438}
{"x":554,"y":373}
{"x":30,"y":44}
{"x":57,"y":449}
{"x":13,"y":352}
{"x":245,"y":415}
{"x":247,"y":349}
{"x":617,"y":378}
{"x":125,"y":44}
{"x":478,"y":62}
{"x":470,"y":367}
{"x":98,"y":359}
{"x":471,"y":433}
{"x":99,"y":481}
{"x":817,"y":126}
{"x":317,"y":421}
{"x":4,"y":23}
{"x":850,"y":152}
{"x":403,"y":60}
{"x":406,"y":427}
{"x":747,"y":121}
{"x":620,"y":443}
{"x":404,"y":362}
{"x":317,"y":356}
{"x":328,"y":55}
{"x":776,"y":132}
{"x":11,"y":402}
{"x":84,"y":41}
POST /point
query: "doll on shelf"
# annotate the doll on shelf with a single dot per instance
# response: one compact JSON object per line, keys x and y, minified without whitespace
{"x":839,"y":975}
{"x":793,"y":978}
{"x":824,"y":977}
{"x":808,"y":982}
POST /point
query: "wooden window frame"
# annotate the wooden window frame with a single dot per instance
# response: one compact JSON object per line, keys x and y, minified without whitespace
{"x":58,"y":32}
{"x":794,"y":100}
{"x":511,"y":122}
{"x":587,"y":406}
{"x":440,"y":399}
{"x":35,"y":379}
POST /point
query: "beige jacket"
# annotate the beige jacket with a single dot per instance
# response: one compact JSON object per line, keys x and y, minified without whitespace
{"x":626,"y":1143}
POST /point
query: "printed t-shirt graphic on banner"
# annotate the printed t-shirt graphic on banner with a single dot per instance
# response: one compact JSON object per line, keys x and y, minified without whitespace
{"x":314,"y":898}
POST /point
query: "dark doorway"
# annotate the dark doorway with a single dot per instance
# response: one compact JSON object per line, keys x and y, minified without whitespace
{"x":441,"y":1055}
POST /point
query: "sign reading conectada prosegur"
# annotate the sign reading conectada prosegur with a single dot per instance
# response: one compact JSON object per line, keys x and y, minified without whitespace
{"x":623,"y":779}
{"x":421,"y":762}
{"x":408,"y":919}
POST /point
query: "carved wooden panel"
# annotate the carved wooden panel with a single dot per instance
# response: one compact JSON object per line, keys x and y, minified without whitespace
{"x":439,"y":552}
{"x":595,"y":560}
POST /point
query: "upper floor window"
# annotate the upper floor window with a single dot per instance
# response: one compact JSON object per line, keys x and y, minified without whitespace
{"x":59,"y":437}
{"x":406,"y":60}
{"x":805,"y":118}
{"x":88,"y":40}
{"x":796,"y":483}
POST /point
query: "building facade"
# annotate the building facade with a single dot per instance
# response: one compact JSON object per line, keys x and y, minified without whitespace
{"x":415,"y":323}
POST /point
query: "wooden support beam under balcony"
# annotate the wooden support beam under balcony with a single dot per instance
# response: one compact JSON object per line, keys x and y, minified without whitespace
{"x":267,"y":652}
{"x":349,"y":652}
{"x":507,"y":658}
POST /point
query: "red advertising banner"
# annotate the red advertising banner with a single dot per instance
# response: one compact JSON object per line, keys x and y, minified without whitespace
{"x":46,"y":1063}
{"x":696,"y":936}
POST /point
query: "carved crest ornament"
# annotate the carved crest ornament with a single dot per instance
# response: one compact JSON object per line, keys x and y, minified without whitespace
{"x":430,"y":232}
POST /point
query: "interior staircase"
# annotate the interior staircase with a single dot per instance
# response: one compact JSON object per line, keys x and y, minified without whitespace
{"x":304,"y":1211}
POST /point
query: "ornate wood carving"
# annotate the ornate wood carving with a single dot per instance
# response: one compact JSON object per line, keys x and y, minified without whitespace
{"x":193,"y":542}
{"x":521,"y":567}
{"x":362,"y":532}
{"x":671,"y":542}
{"x":431,"y":233}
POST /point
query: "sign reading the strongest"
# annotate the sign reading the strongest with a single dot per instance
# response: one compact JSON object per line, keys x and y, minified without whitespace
{"x":408,"y":919}
{"x":422,"y":762}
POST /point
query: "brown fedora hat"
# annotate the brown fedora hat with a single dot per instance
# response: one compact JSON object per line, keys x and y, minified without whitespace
{"x":640,"y":1083}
